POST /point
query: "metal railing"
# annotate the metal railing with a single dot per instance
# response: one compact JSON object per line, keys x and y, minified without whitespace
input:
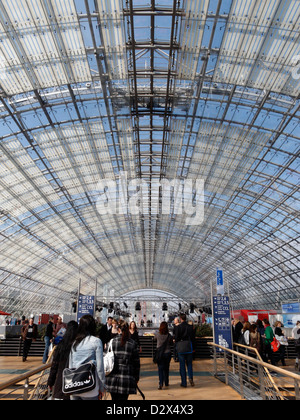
{"x":251,"y":377}
{"x":244,"y":371}
{"x":30,"y":386}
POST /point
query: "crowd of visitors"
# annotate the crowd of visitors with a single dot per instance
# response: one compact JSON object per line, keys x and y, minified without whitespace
{"x":271,"y":343}
{"x":54,"y":334}
{"x":76,"y":345}
{"x":79,"y":345}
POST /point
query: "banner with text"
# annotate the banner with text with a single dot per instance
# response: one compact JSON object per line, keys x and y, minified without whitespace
{"x":220,"y":283}
{"x":85,"y":306}
{"x":222,"y":321}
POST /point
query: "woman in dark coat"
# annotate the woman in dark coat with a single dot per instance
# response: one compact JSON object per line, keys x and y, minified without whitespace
{"x":60,"y":359}
{"x":164,"y":339}
{"x":134,"y":335}
{"x":126,"y":373}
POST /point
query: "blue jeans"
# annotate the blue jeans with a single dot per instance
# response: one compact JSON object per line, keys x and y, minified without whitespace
{"x":186,"y":360}
{"x":46,"y":352}
{"x":164,"y":369}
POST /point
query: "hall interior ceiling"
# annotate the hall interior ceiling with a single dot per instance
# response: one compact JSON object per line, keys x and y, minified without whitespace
{"x":154,"y":90}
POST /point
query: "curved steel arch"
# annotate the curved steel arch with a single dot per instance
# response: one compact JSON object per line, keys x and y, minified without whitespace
{"x":205,"y":89}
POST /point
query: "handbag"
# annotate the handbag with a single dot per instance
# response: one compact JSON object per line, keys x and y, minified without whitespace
{"x":275,"y":345}
{"x":60,"y":335}
{"x":159,"y":352}
{"x":109,"y":360}
{"x":184,"y":346}
{"x":79,"y":380}
{"x":282,"y":340}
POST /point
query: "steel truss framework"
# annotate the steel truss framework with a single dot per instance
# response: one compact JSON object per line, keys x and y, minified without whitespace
{"x":171,"y":89}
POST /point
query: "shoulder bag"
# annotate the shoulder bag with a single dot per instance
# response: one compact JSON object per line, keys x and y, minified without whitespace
{"x":185,"y":344}
{"x":109,"y":360}
{"x":275,"y":345}
{"x":79,"y":380}
{"x":159,"y":352}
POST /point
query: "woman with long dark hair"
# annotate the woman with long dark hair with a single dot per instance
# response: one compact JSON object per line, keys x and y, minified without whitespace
{"x":88,"y":348}
{"x":125,"y":376}
{"x":134,"y":335}
{"x":60,"y":359}
{"x":164,"y":339}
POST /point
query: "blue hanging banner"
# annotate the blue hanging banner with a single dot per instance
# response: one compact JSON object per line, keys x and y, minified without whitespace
{"x":222,"y":321}
{"x":220,"y":283}
{"x":291,"y":308}
{"x":86,"y":306}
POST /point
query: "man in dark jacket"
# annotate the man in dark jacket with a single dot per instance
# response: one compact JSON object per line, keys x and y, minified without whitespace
{"x":29,"y":334}
{"x":237,"y":327}
{"x":105,"y":332}
{"x":183,"y":340}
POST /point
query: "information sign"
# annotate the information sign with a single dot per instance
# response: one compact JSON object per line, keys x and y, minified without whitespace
{"x":222,"y":321}
{"x":85,"y":306}
{"x":291,"y":308}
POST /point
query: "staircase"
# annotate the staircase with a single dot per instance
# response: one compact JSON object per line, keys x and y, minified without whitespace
{"x":14,"y":347}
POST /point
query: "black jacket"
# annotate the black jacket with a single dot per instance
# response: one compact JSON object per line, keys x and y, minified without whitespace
{"x":184,"y":332}
{"x":56,"y":373}
{"x":105,"y":334}
{"x":49,"y":330}
{"x":237,"y":331}
{"x":135,"y":337}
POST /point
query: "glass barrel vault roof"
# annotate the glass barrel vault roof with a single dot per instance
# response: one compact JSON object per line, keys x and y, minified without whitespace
{"x":169,"y":89}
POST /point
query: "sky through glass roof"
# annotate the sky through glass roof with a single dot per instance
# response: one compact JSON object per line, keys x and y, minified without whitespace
{"x":139,"y":94}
